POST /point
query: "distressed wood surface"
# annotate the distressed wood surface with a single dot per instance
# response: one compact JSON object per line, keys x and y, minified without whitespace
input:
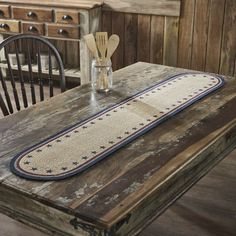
{"x":216,"y":20}
{"x":207,"y":209}
{"x":85,"y":4}
{"x":229,"y":39}
{"x":186,"y":26}
{"x":154,"y":7}
{"x":122,"y":192}
{"x":202,"y":37}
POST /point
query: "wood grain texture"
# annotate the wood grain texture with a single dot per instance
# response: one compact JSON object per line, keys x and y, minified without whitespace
{"x":106,"y":22}
{"x":144,"y":28}
{"x":157,"y":39}
{"x":11,"y":26}
{"x":228,"y":51}
{"x":83,"y":4}
{"x":118,"y":24}
{"x":63,"y":31}
{"x":201,"y":19}
{"x":39,"y":14}
{"x":170,"y":41}
{"x":186,"y":26}
{"x":38,"y":28}
{"x":163,"y":7}
{"x":130,"y":39}
{"x":134,"y":188}
{"x":216,"y":19}
{"x":207,"y":209}
{"x":72,"y":17}
{"x":5,"y":11}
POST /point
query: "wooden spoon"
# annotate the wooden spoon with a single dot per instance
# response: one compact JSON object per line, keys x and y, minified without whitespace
{"x":90,"y":41}
{"x":101,"y":40}
{"x":113,"y":43}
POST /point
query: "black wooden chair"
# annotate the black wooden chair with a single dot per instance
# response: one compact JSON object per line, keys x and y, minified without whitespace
{"x":34,"y":75}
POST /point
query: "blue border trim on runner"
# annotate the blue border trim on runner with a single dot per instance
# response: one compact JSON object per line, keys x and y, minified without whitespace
{"x":124,"y":142}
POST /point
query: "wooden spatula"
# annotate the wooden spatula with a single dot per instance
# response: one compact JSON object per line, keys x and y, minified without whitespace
{"x":90,"y":41}
{"x":101,"y":40}
{"x":113,"y":43}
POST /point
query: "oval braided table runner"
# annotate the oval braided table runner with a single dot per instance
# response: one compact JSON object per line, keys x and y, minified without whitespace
{"x":82,"y":145}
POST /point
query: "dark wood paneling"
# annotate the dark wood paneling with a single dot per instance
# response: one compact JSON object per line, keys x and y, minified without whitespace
{"x":215,"y":35}
{"x":143,"y":49}
{"x":130,"y":40}
{"x":202,"y":38}
{"x":171,"y":41}
{"x":186,"y":33}
{"x":228,"y":53}
{"x":201,"y":19}
{"x":157,"y":39}
{"x":118,"y":25}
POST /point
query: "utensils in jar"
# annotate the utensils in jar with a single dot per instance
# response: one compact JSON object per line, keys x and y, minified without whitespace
{"x":102,"y":49}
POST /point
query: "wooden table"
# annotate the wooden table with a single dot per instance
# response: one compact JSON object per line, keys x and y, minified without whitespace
{"x":124,"y":192}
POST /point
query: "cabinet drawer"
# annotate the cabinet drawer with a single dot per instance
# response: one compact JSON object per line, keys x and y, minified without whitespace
{"x":9,"y":26}
{"x":67,"y":17}
{"x":62,"y":31}
{"x":33,"y":28}
{"x":4,"y":11}
{"x":33,"y":14}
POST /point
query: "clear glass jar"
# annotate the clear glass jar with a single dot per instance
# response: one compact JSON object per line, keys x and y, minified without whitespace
{"x":101,"y":75}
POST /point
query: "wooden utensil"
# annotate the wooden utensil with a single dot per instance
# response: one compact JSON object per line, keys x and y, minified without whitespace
{"x":113,"y":43}
{"x":90,"y":41}
{"x":102,"y":40}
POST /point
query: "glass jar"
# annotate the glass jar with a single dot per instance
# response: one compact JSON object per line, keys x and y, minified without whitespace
{"x":101,"y":75}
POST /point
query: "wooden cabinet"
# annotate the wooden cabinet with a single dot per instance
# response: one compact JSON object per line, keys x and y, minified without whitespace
{"x":9,"y":26}
{"x":33,"y":28}
{"x":63,"y":31}
{"x":5,"y":11}
{"x":65,"y":23}
{"x":67,"y":17}
{"x":32,"y":14}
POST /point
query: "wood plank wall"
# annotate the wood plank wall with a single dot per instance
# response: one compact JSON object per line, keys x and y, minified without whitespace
{"x":202,"y":38}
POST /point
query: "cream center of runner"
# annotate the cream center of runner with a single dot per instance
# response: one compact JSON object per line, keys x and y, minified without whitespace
{"x":77,"y":148}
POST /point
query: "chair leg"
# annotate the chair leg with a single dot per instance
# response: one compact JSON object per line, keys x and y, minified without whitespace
{"x":3,"y":106}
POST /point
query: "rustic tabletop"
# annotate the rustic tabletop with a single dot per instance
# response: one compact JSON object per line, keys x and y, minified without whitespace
{"x":124,"y":192}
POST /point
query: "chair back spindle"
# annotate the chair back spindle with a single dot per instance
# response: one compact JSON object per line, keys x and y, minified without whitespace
{"x":31,"y":80}
{"x":31,"y":46}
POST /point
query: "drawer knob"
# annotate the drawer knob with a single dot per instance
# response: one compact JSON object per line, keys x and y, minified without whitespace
{"x":1,"y":13}
{"x":33,"y":29}
{"x":31,"y":14}
{"x":62,"y":32}
{"x":67,"y":17}
{"x":4,"y":26}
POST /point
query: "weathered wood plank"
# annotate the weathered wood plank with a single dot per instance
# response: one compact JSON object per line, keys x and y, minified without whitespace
{"x":118,"y":23}
{"x":121,"y":195}
{"x":84,"y":4}
{"x":153,"y":7}
{"x":229,"y":39}
{"x":72,"y":56}
{"x":215,"y":35}
{"x":106,"y":22}
{"x":201,"y":19}
{"x":133,"y":177}
{"x":207,"y":208}
{"x":157,"y":39}
{"x":143,"y":49}
{"x":171,"y":41}
{"x":130,"y":41}
{"x":186,"y":26}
